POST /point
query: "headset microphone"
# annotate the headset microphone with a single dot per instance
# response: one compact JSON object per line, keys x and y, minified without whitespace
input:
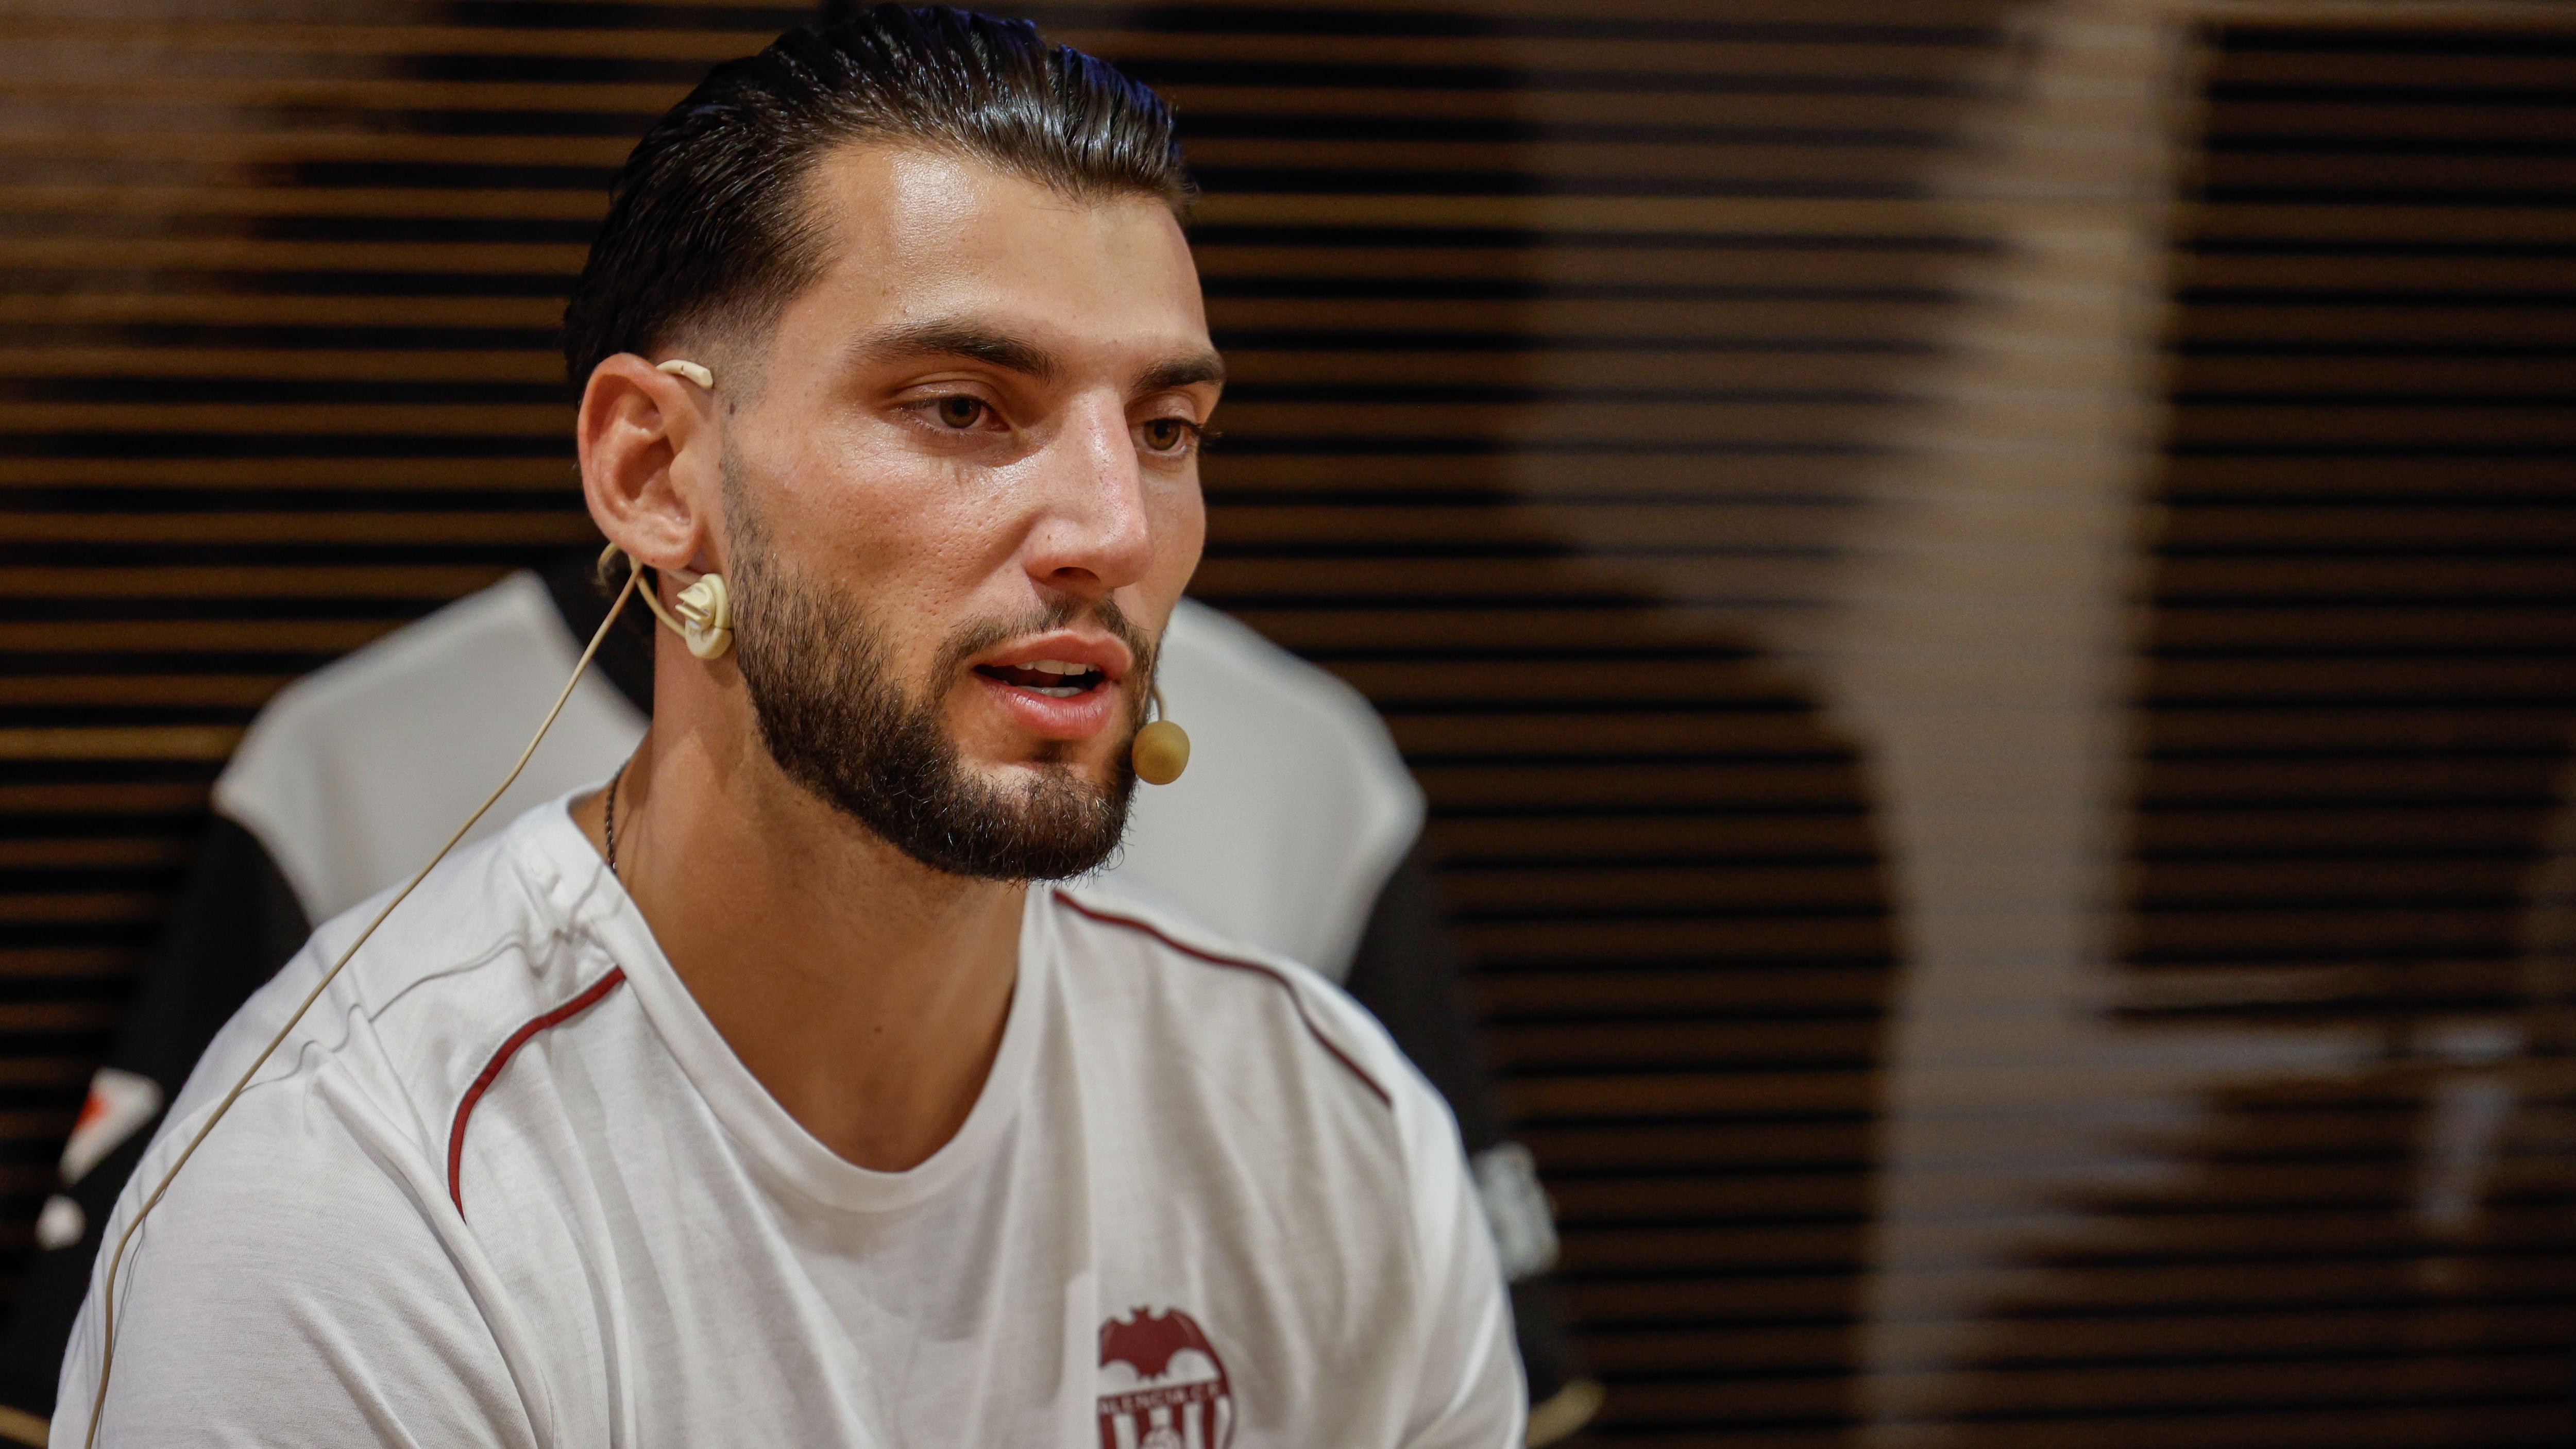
{"x":1162,"y":748}
{"x":705,"y":621}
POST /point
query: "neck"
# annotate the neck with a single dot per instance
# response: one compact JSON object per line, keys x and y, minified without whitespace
{"x":865,"y":991}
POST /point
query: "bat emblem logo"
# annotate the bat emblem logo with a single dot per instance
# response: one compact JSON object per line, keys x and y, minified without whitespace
{"x":1162,"y":1385}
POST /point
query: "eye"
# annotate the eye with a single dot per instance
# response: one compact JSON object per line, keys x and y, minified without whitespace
{"x":959,"y":410}
{"x":1167,"y":435}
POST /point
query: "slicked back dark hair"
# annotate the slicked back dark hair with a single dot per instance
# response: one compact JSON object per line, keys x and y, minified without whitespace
{"x":707,"y":223}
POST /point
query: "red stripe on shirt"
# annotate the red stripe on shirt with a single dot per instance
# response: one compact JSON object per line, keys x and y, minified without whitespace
{"x":1295,"y":998}
{"x":491,"y":1069}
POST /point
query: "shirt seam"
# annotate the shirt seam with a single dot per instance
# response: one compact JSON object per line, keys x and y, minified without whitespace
{"x":1296,"y":997}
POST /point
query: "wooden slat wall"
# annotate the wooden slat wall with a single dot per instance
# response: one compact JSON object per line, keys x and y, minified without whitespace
{"x":1565,"y":337}
{"x":2351,"y":830}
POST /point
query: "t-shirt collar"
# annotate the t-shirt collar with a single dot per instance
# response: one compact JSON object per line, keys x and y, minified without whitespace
{"x":605,"y":921}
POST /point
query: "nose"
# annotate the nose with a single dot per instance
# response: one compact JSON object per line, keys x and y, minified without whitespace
{"x":1093,"y":532}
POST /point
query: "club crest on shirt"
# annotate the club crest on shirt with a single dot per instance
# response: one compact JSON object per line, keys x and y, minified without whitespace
{"x":1162,"y":1385}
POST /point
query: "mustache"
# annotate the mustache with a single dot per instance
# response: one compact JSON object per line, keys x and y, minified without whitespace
{"x":975,"y":638}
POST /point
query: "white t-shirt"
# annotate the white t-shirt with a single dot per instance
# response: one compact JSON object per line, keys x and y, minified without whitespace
{"x":506,"y":1185}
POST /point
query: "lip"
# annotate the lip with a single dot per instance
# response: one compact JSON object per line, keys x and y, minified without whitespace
{"x":1078,"y":718}
{"x":1101,"y":651}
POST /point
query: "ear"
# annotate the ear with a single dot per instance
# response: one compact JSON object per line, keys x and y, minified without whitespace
{"x":650,"y":468}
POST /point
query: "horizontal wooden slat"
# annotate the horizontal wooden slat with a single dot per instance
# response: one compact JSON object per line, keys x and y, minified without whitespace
{"x":1556,"y":997}
{"x":120,"y":742}
{"x":521,"y":528}
{"x":2309,"y":169}
{"x":1634,"y":888}
{"x":516,"y":474}
{"x":2377,"y":274}
{"x":1667,"y":266}
{"x":1750,"y":1093}
{"x":2499,"y":424}
{"x":1676,"y":526}
{"x":1813,"y":218}
{"x":2411,"y":120}
{"x":386,"y":581}
{"x":2499,"y":69}
{"x":1591,"y":941}
{"x":231,"y":254}
{"x":97,"y":204}
{"x":141,"y":691}
{"x":2381,"y":628}
{"x":2377,"y":321}
{"x":1734,"y":834}
{"x":63,"y":853}
{"x":1834,"y":56}
{"x":2392,"y":376}
{"x":540,"y":315}
{"x":2350,"y":729}
{"x":1253,"y":581}
{"x":2242,"y":827}
{"x":309,"y":147}
{"x":2364,"y":478}
{"x":1592,"y":734}
{"x":505,"y":420}
{"x":2364,"y":881}
{"x":2409,"y":678}
{"x":2442,"y":777}
{"x":1632,"y":1045}
{"x":2395,"y":529}
{"x":170,"y":636}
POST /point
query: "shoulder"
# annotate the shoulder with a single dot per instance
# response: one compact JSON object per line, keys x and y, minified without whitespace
{"x":492,"y":939}
{"x":1228,"y":1045}
{"x":304,"y":1236}
{"x":1222,"y":998}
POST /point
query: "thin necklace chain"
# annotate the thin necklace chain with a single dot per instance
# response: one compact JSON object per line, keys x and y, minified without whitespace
{"x":610,"y":829}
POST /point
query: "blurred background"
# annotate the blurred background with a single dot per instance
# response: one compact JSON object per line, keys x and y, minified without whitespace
{"x":1984,"y":593}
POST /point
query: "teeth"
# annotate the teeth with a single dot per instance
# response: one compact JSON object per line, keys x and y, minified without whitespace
{"x":1054,"y":666}
{"x":1053,"y":691}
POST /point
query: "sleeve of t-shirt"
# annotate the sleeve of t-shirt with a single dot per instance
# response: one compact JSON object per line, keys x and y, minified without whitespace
{"x":290,"y":1290}
{"x":1471,"y":1394}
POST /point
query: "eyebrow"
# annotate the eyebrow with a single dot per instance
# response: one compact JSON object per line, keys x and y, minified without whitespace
{"x":938,"y":338}
{"x":1182,"y":372}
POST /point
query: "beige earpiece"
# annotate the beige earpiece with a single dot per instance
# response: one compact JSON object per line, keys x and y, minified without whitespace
{"x":682,"y":367}
{"x":705,"y":618}
{"x":1162,"y":748}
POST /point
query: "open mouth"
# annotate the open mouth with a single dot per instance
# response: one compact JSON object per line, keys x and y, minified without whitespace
{"x":1054,"y":678}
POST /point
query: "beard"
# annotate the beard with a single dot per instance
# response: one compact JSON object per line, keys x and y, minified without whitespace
{"x":844,"y":729}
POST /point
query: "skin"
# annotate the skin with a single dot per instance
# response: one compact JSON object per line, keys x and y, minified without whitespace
{"x":986,"y":405}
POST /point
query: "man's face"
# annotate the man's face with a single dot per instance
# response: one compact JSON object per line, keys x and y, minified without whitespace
{"x":962,"y":500}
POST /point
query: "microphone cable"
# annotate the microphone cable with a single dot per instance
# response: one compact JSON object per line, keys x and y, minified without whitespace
{"x":107,"y":1292}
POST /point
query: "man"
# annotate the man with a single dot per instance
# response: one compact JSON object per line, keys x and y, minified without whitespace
{"x":1297,"y":830}
{"x":760,"y":1097}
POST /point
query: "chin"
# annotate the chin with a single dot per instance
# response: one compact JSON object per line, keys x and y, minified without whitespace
{"x":1054,"y":759}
